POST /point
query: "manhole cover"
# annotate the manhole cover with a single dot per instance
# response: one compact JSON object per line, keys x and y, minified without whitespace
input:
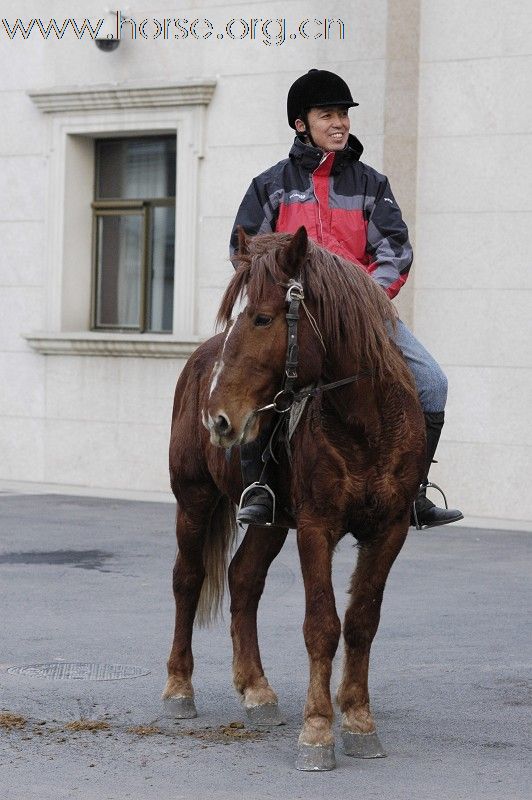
{"x":79,"y":672}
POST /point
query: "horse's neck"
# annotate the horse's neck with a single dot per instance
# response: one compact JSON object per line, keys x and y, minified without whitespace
{"x":354,"y":403}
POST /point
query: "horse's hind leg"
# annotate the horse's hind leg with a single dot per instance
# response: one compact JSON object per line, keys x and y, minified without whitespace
{"x":360,"y":626}
{"x":188,"y":574}
{"x":247,"y":574}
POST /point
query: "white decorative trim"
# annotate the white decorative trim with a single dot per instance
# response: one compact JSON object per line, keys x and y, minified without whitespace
{"x":123,"y":96}
{"x":138,"y":345}
{"x":68,"y":284}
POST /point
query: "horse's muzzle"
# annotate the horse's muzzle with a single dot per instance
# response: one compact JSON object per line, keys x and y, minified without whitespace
{"x":223,"y":433}
{"x":221,"y":425}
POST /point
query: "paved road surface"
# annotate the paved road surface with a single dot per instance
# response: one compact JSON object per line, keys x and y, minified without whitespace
{"x":88,"y":580}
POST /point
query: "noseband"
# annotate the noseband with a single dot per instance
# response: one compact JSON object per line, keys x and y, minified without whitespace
{"x":286,"y":397}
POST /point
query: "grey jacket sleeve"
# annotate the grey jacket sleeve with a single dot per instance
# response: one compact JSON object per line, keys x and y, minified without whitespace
{"x":388,"y":242}
{"x":257,"y":213}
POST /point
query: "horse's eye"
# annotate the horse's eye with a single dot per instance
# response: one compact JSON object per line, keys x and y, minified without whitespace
{"x":262,"y":320}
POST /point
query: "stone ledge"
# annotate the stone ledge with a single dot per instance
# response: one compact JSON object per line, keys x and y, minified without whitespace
{"x":134,"y":95}
{"x":10,"y":488}
{"x":99,"y":343}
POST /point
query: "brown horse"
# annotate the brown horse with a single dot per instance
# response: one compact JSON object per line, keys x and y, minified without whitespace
{"x":356,"y":465}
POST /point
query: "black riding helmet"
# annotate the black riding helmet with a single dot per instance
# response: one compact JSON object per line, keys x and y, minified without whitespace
{"x":317,"y":89}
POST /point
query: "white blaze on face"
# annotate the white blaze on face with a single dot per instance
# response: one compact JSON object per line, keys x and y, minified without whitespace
{"x":219,"y":365}
{"x":216,"y":372}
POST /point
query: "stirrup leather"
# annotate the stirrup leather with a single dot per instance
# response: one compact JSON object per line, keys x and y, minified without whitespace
{"x":427,"y":485}
{"x":258,"y":485}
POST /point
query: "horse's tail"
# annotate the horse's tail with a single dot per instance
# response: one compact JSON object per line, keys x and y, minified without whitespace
{"x":219,"y":542}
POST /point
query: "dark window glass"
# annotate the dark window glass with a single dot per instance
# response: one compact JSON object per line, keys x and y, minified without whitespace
{"x":120,"y":254}
{"x":134,"y":228}
{"x":136,"y":168}
{"x":162,"y":268}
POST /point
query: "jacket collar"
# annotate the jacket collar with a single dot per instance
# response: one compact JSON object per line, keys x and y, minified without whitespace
{"x":309,"y":157}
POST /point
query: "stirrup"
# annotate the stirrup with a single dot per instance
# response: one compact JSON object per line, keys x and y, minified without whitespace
{"x":427,"y":485}
{"x":258,"y":485}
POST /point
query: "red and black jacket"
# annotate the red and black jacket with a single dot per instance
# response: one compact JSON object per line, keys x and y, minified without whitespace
{"x":346,"y":207}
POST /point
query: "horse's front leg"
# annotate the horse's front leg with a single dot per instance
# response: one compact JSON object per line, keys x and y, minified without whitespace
{"x":188,"y":575}
{"x":247,"y":574}
{"x":375,"y":559}
{"x":322,"y":632}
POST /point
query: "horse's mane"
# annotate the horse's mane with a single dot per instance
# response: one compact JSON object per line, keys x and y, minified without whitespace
{"x":350,"y":308}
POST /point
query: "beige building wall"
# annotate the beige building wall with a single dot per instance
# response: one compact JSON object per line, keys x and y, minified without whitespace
{"x":473,"y":275}
{"x":102,"y":422}
{"x":442,"y":112}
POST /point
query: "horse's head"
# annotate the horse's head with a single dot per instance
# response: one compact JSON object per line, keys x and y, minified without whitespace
{"x":250,"y":368}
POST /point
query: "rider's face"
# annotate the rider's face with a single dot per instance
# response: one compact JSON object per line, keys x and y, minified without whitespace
{"x":328,"y":127}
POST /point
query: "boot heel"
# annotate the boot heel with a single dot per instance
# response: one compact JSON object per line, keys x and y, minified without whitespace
{"x":423,"y":488}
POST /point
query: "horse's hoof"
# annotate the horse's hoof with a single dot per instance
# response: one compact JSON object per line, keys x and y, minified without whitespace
{"x":362,"y":745}
{"x":180,"y":707}
{"x":315,"y":757}
{"x":265,"y":714}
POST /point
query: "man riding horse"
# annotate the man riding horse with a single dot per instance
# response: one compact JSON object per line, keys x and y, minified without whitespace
{"x":348,"y":208}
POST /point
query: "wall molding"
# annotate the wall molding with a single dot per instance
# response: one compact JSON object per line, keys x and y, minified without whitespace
{"x":71,"y":178}
{"x":123,"y":96}
{"x":88,"y":343}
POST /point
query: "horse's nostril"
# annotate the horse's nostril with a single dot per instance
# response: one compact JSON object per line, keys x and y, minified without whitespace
{"x":222,"y":424}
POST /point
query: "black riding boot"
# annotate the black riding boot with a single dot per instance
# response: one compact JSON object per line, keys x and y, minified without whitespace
{"x":258,"y":501}
{"x":429,"y":515}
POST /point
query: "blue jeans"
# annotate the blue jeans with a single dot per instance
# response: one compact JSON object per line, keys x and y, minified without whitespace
{"x":430,"y":380}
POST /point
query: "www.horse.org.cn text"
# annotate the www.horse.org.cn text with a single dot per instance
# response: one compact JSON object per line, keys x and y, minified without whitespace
{"x":269,"y":32}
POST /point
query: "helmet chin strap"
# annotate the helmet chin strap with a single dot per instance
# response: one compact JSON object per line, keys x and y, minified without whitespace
{"x":306,"y":133}
{"x":311,"y":140}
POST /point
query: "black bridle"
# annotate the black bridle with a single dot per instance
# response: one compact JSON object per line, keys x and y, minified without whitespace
{"x":287,"y":396}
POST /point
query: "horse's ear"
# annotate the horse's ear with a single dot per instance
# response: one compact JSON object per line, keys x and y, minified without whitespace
{"x":243,"y":239}
{"x":296,"y":252}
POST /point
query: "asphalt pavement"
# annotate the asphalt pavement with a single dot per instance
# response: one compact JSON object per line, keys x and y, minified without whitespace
{"x":87,"y":619}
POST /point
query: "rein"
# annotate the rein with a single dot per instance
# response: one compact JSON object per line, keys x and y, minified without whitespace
{"x":285,"y":399}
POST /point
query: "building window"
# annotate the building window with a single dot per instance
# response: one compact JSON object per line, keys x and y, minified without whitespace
{"x":134,"y":233}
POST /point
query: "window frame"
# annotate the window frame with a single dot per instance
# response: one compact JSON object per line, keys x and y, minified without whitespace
{"x":77,"y":118}
{"x":123,"y":207}
{"x":115,"y":209}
